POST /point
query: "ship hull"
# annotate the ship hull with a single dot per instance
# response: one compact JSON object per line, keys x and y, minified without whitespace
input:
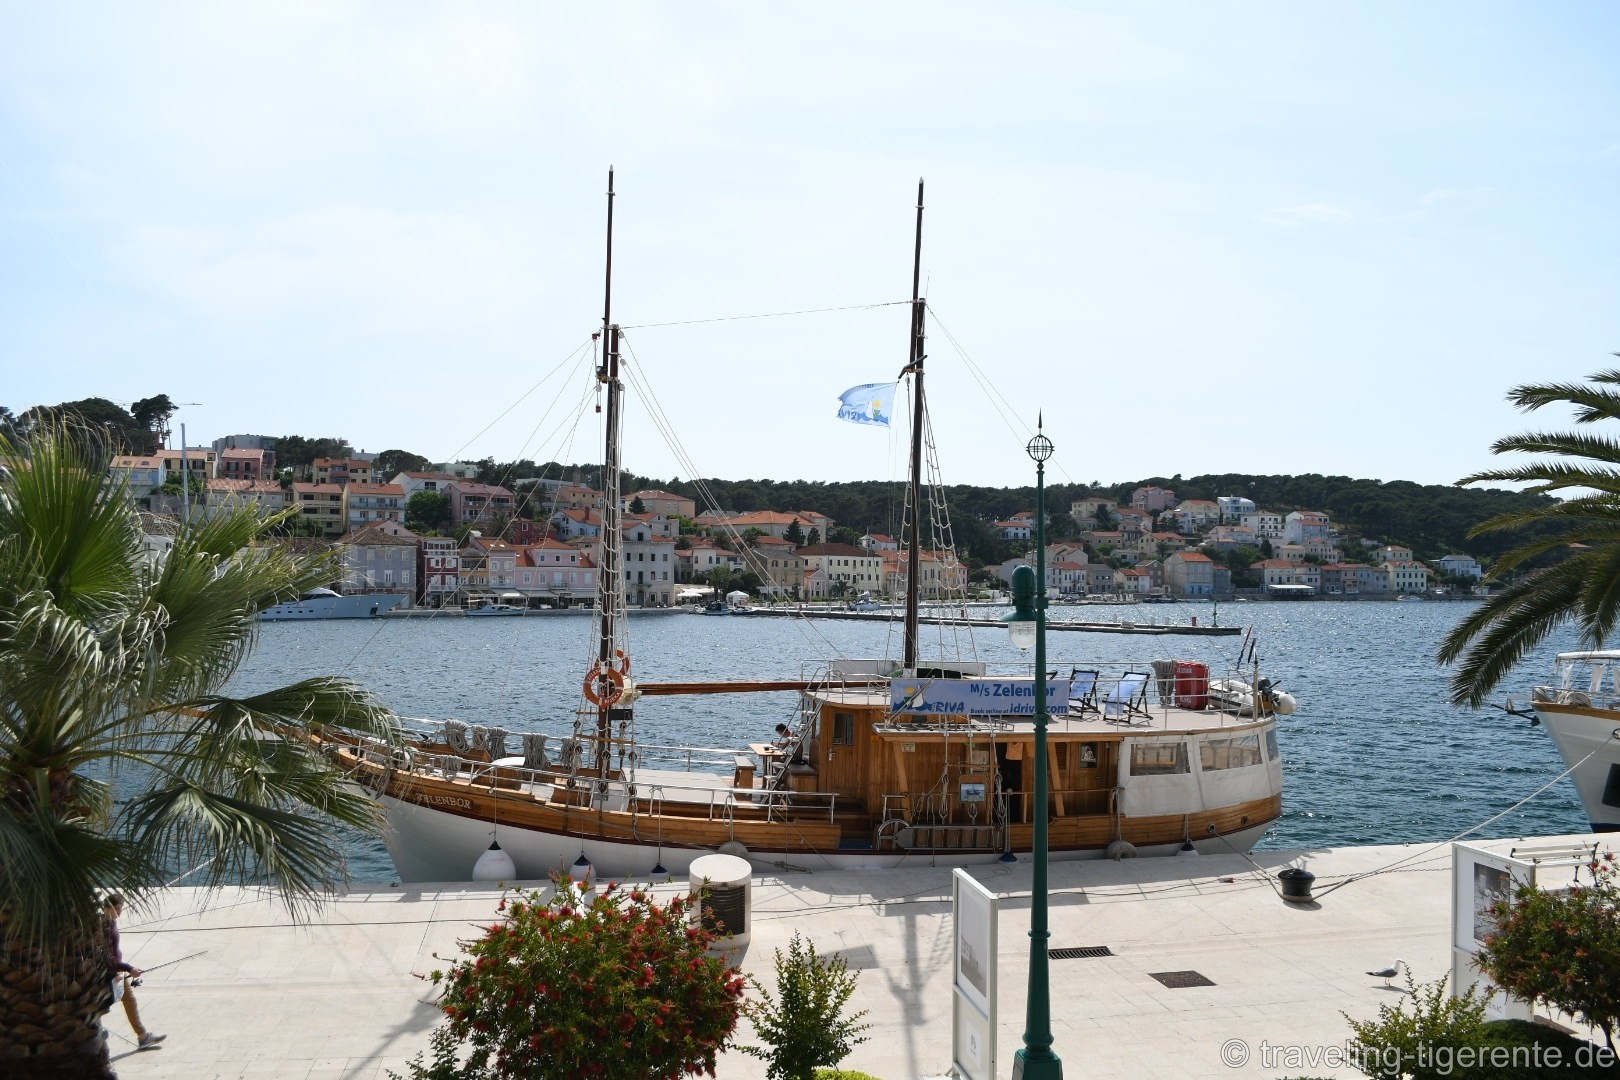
{"x":436,"y":831}
{"x":431,"y":845}
{"x":1588,"y":739}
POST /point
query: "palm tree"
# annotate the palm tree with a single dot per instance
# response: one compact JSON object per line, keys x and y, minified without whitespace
{"x":719,"y":579}
{"x":112,"y":671}
{"x":1584,"y":586}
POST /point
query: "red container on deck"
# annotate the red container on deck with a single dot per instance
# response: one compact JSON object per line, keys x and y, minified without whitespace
{"x":1192,"y":684}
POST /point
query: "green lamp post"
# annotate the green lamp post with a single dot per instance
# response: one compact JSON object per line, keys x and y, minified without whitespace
{"x":1026,"y":626}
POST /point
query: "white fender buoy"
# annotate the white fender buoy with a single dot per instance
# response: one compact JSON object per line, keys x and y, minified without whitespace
{"x":1283,"y":703}
{"x":494,"y":865}
{"x":1121,"y":849}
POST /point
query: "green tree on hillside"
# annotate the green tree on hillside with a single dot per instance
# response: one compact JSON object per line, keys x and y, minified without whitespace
{"x":298,"y":453}
{"x":1581,"y":535}
{"x":390,"y":462}
{"x":427,"y":512}
{"x":95,"y":419}
{"x":153,"y":414}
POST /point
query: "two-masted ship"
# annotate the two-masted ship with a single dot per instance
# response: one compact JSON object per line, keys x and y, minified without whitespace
{"x":891,"y":762}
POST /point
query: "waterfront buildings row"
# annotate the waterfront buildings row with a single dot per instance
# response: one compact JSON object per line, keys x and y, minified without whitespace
{"x":1156,"y":545}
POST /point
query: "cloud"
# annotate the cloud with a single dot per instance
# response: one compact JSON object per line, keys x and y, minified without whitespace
{"x":1441,"y":195}
{"x":357,"y":267}
{"x":1293,"y":217}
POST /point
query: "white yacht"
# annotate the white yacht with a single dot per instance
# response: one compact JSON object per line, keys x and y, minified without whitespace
{"x":327,"y":604}
{"x":1580,"y":708}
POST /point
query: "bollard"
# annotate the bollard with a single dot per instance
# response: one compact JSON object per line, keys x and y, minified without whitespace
{"x":1296,"y":885}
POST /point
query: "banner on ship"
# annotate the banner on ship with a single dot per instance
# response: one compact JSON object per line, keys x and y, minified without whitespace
{"x":974,"y":697}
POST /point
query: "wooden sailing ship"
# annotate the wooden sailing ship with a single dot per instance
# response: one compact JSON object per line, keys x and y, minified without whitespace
{"x":891,"y":761}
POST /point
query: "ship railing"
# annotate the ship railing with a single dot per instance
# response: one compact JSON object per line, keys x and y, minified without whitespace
{"x":781,"y":805}
{"x":694,"y":759}
{"x":615,"y":793}
{"x":1582,"y":699}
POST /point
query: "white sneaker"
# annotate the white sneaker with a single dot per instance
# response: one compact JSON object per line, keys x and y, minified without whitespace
{"x":149,"y":1039}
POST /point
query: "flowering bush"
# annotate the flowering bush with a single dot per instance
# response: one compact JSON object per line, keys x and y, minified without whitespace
{"x":611,"y":986}
{"x":1562,"y":948}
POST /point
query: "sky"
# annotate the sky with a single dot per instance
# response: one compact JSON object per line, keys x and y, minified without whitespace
{"x":1188,"y":237}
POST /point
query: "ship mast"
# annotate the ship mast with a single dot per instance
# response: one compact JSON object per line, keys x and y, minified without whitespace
{"x":609,"y":672}
{"x":914,"y":366}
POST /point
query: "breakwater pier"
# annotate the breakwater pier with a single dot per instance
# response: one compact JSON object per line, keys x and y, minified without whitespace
{"x":960,"y":617}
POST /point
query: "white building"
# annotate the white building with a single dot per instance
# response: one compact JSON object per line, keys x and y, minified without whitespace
{"x":1408,"y":577}
{"x":1303,"y":525}
{"x":1265,"y":524}
{"x":1233,"y":507}
{"x":856,"y":568}
{"x":1460,"y":566}
{"x":649,"y":564}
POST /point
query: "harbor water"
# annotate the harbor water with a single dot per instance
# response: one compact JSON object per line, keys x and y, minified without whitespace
{"x":1374,"y":755}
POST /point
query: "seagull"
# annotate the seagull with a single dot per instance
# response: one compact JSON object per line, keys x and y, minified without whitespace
{"x":1390,"y":972}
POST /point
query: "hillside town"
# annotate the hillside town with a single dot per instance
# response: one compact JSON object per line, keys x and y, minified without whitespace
{"x":445,"y":539}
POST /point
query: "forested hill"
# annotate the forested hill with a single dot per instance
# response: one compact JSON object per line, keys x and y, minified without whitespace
{"x":1431,"y":519}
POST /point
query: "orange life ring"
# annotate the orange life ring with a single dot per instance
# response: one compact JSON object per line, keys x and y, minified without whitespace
{"x":595,"y":677}
{"x":624,"y":661}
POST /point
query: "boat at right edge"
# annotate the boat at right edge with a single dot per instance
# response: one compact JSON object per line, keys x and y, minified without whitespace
{"x":1583,"y":719}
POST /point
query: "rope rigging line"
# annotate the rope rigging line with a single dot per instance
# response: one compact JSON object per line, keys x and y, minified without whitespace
{"x":571,"y":357}
{"x":767,"y":315}
{"x":940,"y":530}
{"x":637,"y":376}
{"x":580,"y":354}
{"x":417,"y":627}
{"x":1431,"y":850}
{"x":998,"y":400}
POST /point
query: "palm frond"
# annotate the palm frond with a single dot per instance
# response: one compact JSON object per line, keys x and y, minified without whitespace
{"x":102,"y":658}
{"x":1501,"y":631}
{"x":77,"y":534}
{"x":232,"y":839}
{"x":1592,"y":404}
{"x":318,"y":704}
{"x":1600,"y":594}
{"x":52,"y":866}
{"x":1570,"y":444}
{"x":1544,"y":476}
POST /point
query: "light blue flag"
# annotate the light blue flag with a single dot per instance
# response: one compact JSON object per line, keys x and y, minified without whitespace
{"x":869,"y":403}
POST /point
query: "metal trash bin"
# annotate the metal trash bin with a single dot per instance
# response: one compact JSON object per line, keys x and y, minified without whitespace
{"x":721,"y":891}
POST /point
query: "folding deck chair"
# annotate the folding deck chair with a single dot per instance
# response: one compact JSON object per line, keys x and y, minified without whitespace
{"x":1128,"y":699}
{"x":1082,"y":692}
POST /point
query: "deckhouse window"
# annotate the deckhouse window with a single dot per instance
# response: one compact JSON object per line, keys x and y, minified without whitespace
{"x":1234,"y":753}
{"x":843,"y":729}
{"x":1158,"y":759}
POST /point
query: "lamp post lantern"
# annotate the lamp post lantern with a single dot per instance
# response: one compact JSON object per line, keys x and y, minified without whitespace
{"x":1035,"y":1061}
